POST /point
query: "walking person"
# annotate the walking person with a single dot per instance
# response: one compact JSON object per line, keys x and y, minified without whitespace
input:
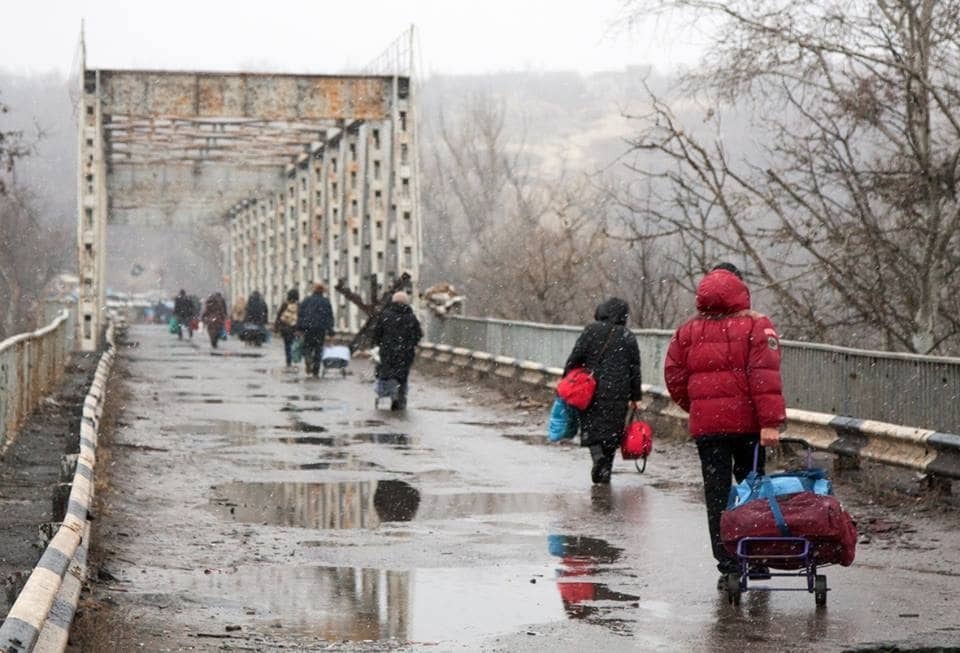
{"x":397,"y":332}
{"x":253,"y":331}
{"x":315,"y":321}
{"x":214,"y":317}
{"x":184,"y":312}
{"x":723,"y":368}
{"x":609,"y":350}
{"x":237,"y":313}
{"x":286,"y":323}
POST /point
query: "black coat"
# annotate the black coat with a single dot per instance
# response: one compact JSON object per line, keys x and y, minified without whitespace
{"x":183,"y":308}
{"x":315,"y":315}
{"x":256,"y":310}
{"x":616,"y":370}
{"x":397,"y":332}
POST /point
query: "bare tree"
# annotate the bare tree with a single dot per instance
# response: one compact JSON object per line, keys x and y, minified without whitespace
{"x":846,"y":210}
{"x":31,"y":254}
{"x":12,"y":147}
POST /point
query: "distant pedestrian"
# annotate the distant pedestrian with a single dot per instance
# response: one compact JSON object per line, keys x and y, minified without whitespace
{"x":214,"y":317}
{"x":397,"y":332}
{"x":609,"y":350}
{"x":237,"y":312}
{"x":184,"y":312}
{"x":723,"y":368}
{"x":315,"y":322}
{"x":286,"y":323}
{"x":256,"y":310}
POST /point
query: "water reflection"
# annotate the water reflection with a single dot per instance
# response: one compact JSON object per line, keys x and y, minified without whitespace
{"x":353,"y":603}
{"x":343,"y":505}
{"x":583,"y":557}
{"x":364,"y":504}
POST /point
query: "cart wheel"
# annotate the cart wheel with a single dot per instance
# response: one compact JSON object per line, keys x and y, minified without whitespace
{"x":733,"y":589}
{"x":820,"y":590}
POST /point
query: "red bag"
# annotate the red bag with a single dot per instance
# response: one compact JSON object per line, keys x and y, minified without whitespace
{"x":637,"y":439}
{"x":578,"y":385}
{"x":577,"y":388}
{"x":817,"y":517}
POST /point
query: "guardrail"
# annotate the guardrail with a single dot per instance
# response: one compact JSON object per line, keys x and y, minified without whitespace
{"x":924,"y":450}
{"x":921,"y":391}
{"x":40,"y":618}
{"x":30,"y":365}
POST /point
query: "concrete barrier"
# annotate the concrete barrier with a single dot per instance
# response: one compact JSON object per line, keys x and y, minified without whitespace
{"x":40,"y":618}
{"x":923,"y":450}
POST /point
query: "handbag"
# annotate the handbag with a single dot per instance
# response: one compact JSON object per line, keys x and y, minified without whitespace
{"x":637,"y":442}
{"x":564,"y":421}
{"x":578,"y":386}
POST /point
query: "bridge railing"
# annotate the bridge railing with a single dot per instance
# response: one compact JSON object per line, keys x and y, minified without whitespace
{"x":31,"y":364}
{"x":918,"y":391}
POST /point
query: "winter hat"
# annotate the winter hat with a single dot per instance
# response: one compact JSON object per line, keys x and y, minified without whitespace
{"x":400,"y":297}
{"x":729,"y":267}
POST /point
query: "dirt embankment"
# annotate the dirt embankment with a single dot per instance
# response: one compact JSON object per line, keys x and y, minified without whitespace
{"x":30,"y":472}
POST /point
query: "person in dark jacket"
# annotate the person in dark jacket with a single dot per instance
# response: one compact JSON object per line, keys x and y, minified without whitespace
{"x":184,"y":312}
{"x":286,"y":322}
{"x":256,"y":312}
{"x":610,"y":351}
{"x":723,"y":368}
{"x":397,"y":332}
{"x":214,"y":317}
{"x":315,"y":321}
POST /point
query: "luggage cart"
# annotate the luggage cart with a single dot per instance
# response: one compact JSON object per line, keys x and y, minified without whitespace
{"x":785,"y":556}
{"x":335,"y":357}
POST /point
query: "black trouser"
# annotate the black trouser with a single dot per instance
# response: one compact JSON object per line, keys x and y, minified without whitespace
{"x":313,"y":351}
{"x":288,"y":338}
{"x":603,"y":455}
{"x":721,"y":456}
{"x":401,"y":401}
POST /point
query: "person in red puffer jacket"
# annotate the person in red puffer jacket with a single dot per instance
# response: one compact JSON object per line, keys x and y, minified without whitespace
{"x":723,"y":368}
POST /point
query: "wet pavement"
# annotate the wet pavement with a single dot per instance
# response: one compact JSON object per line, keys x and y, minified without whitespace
{"x":252,"y":508}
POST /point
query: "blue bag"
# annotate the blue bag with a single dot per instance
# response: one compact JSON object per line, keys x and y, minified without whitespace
{"x":564,"y":421}
{"x":755,"y":486}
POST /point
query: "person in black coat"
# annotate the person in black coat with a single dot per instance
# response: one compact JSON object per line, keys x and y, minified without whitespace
{"x":184,"y":311}
{"x":609,"y":349}
{"x":397,"y":332}
{"x":315,"y":321}
{"x":256,"y":310}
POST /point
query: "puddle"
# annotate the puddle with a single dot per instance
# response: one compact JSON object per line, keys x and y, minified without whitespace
{"x":399,"y":440}
{"x":351,"y":465}
{"x":302,"y":427}
{"x":365,"y":504}
{"x":439,"y":409}
{"x":328,"y":441}
{"x":334,"y":506}
{"x":527,"y":438}
{"x":236,"y":354}
{"x":352,"y":604}
{"x":580,"y":558}
{"x":183,"y":376}
{"x":499,"y":425}
{"x":212,"y":427}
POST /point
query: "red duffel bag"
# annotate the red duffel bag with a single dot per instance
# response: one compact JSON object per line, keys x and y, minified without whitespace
{"x":577,"y":387}
{"x":816,"y":517}
{"x":637,"y":440}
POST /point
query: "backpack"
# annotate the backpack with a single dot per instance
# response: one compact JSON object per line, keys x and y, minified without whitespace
{"x":289,"y":315}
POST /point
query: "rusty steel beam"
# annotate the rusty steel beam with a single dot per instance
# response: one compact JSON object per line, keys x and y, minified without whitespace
{"x":266,"y":96}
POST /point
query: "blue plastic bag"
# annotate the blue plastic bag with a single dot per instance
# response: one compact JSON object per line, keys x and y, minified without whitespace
{"x":564,"y":421}
{"x":763,"y":487}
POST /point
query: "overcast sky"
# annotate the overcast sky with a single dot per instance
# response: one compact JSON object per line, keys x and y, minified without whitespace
{"x":317,"y":36}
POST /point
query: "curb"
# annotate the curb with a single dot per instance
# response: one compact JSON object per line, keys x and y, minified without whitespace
{"x":41,"y":616}
{"x":923,"y":450}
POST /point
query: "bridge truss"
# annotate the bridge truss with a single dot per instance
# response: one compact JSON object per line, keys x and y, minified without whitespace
{"x":314,"y":176}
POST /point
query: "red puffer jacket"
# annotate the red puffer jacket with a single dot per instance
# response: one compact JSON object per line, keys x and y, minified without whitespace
{"x":723,"y":366}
